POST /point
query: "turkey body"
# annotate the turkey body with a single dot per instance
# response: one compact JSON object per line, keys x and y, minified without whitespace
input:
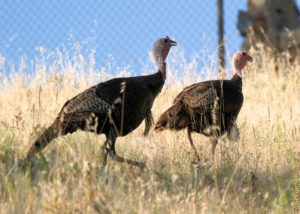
{"x":209,"y":108}
{"x":99,"y":108}
{"x":212,"y":103}
{"x":115,"y":108}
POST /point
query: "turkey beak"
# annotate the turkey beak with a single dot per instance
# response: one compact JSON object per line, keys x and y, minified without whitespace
{"x":249,"y":58}
{"x":172,"y":43}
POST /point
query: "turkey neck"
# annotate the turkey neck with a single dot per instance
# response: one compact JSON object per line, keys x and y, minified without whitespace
{"x":237,"y":80}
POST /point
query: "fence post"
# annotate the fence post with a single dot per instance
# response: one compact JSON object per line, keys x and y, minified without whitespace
{"x":221,"y":36}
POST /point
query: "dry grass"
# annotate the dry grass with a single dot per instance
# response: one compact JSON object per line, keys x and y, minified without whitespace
{"x":253,"y":175}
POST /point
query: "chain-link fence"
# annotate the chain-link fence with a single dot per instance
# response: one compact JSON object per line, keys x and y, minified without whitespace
{"x":124,"y":30}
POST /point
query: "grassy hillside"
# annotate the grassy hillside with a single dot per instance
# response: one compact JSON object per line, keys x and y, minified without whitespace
{"x":254,"y":175}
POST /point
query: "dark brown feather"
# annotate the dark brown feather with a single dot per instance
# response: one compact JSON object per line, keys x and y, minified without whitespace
{"x":99,"y":108}
{"x":204,"y":105}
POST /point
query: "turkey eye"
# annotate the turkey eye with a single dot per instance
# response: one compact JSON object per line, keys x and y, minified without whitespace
{"x":166,"y":40}
{"x":244,"y":53}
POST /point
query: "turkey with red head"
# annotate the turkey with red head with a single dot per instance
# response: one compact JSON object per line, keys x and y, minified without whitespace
{"x":209,"y":108}
{"x":114,"y":108}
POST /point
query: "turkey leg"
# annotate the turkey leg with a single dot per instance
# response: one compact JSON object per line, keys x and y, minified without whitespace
{"x":109,"y":147}
{"x":197,"y":158}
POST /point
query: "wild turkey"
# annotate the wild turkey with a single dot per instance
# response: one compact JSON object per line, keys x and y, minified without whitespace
{"x":115,"y":107}
{"x":209,"y":108}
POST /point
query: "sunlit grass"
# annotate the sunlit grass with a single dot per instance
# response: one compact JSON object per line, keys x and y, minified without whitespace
{"x":253,"y":175}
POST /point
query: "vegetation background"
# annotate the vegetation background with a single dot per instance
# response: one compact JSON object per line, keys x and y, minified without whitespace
{"x":255,"y":174}
{"x":50,"y":52}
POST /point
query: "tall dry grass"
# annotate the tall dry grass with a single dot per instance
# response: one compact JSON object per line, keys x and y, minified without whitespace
{"x":253,"y":175}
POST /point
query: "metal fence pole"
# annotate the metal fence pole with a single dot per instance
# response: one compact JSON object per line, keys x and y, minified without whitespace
{"x":221,"y":36}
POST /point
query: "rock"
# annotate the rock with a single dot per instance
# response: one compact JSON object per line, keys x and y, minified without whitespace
{"x":273,"y":23}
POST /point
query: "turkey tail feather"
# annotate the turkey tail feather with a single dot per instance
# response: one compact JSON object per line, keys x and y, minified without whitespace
{"x":43,"y":140}
{"x":176,"y":118}
{"x":63,"y":124}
